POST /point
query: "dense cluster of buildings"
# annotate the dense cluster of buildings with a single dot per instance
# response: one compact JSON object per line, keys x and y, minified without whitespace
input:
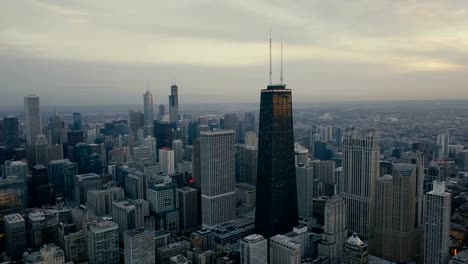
{"x":205,"y":189}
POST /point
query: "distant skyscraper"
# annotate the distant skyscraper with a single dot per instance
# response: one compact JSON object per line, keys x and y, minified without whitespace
{"x":33,"y":118}
{"x":248,"y":123}
{"x":246,"y":164}
{"x":56,"y":129}
{"x":284,"y":250}
{"x":437,"y":232}
{"x":77,"y":123}
{"x":139,"y":246}
{"x":188,"y":206}
{"x":178,"y":147}
{"x":61,"y":174}
{"x":162,"y":112}
{"x":150,"y":142}
{"x":136,"y":120}
{"x":277,"y":210}
{"x":443,"y":145}
{"x":174,"y":104}
{"x":103,"y":243}
{"x":163,"y":134}
{"x":361,"y":156}
{"x":218,"y":177}
{"x":11,"y":128}
{"x":253,"y":250}
{"x":305,"y":190}
{"x":148,"y":113}
{"x":166,"y":161}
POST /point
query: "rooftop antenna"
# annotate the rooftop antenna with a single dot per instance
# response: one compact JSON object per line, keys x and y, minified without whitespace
{"x":281,"y":76}
{"x":270,"y":57}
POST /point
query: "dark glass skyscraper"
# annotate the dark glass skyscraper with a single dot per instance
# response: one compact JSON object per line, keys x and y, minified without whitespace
{"x":276,"y":210}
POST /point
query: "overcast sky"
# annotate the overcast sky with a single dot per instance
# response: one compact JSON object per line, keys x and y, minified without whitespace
{"x":103,"y":52}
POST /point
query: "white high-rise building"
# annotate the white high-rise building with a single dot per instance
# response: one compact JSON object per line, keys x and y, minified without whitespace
{"x":150,"y":142}
{"x":218,"y":177}
{"x":148,"y":114}
{"x":103,"y":243}
{"x":253,"y":250}
{"x":166,"y":161}
{"x":334,"y":228}
{"x":178,"y":147}
{"x":361,"y":168}
{"x":437,"y":232}
{"x":129,"y":214}
{"x":283,"y":250}
{"x":33,"y":118}
{"x":139,"y":246}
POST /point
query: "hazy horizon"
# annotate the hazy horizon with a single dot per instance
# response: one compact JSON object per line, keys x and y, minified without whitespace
{"x":97,"y":53}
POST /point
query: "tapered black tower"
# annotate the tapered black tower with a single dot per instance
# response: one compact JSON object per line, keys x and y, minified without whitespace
{"x":276,"y":210}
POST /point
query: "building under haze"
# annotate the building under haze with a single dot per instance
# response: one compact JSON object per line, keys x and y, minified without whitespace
{"x":148,"y":113}
{"x":277,"y":210}
{"x":32,"y":118}
{"x":174,"y":104}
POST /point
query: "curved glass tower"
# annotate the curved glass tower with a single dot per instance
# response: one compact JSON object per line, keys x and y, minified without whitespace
{"x":276,"y":210}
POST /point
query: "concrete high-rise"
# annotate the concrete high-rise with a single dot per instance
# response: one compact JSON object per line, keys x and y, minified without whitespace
{"x":246,"y":164}
{"x":129,"y":214}
{"x":188,"y":206}
{"x":305,"y":190}
{"x":437,"y":231}
{"x":11,"y":128}
{"x":136,"y":120}
{"x":334,"y":230}
{"x":178,"y":147}
{"x":162,"y":112}
{"x":139,"y":246}
{"x":174,"y":104}
{"x":77,"y":123}
{"x":33,"y":118}
{"x":15,"y":233}
{"x":253,"y":250}
{"x":277,"y":210}
{"x":361,"y":156}
{"x":84,"y":183}
{"x":354,"y":251}
{"x":166,"y":161}
{"x":218,"y":181}
{"x":61,"y":174}
{"x":284,"y":250}
{"x":443,"y":141}
{"x":103,"y":243}
{"x":148,"y":113}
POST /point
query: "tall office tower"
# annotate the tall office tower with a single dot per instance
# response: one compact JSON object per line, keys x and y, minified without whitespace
{"x":55,"y":152}
{"x":56,"y":129}
{"x":338,"y":136}
{"x":139,"y":246}
{"x":188,"y":207}
{"x":13,"y":196}
{"x":276,"y":211}
{"x":134,"y":187}
{"x":443,"y":141}
{"x":301,"y":155}
{"x":218,"y":182}
{"x":61,"y":174}
{"x":163,"y":134}
{"x":300,"y":235}
{"x":305,"y":190}
{"x":354,"y":251}
{"x":253,"y":250}
{"x":42,"y":227}
{"x":334,"y":230}
{"x":148,"y":113}
{"x":395,"y":230}
{"x":84,"y":183}
{"x":178,"y":147}
{"x":136,"y":120}
{"x":246,"y":164}
{"x":437,"y":232}
{"x":196,"y":165}
{"x":150,"y":143}
{"x":174,"y":104}
{"x":284,"y":250}
{"x":41,"y":156}
{"x":164,"y":203}
{"x":141,"y":153}
{"x":11,"y":128}
{"x":99,"y":202}
{"x":129,"y":214}
{"x":15,"y":233}
{"x":248,"y":123}
{"x":361,"y":155}
{"x":33,"y":118}
{"x":77,"y":123}
{"x":103,"y":243}
{"x":324,"y":171}
{"x":162,"y":112}
{"x":166,"y":161}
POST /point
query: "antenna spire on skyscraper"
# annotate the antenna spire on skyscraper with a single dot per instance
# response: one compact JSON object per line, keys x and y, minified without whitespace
{"x":281,"y":75}
{"x":270,"y":58}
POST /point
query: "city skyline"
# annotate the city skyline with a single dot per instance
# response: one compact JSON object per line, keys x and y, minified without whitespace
{"x":397,"y":50}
